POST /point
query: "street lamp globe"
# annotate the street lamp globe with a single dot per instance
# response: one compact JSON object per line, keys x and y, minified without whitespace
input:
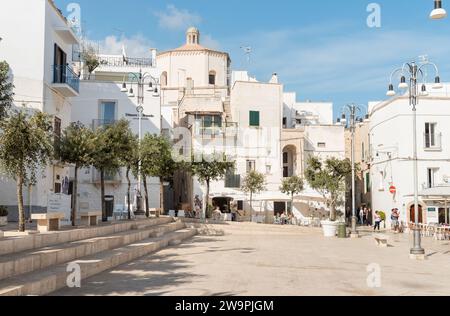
{"x":391,"y":91}
{"x":403,"y":84}
{"x":424,"y":91}
{"x":150,"y":87}
{"x":438,"y":12}
{"x":131,"y":93}
{"x":124,"y":88}
{"x":437,"y":83}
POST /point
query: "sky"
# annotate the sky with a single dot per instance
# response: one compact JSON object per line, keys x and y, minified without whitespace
{"x":323,"y":50}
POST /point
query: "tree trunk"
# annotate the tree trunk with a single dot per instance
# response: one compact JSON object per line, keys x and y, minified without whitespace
{"x":20,"y":203}
{"x":147,"y":214}
{"x":74,"y":197}
{"x":102,"y":189}
{"x":161,"y":196}
{"x":207,"y":197}
{"x":251,"y":206}
{"x":333,"y":209}
{"x":129,"y":194}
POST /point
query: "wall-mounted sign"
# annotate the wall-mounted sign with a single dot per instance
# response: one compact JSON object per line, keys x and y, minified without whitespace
{"x":392,"y":189}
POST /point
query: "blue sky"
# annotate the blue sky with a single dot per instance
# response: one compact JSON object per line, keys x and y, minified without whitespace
{"x":323,"y":50}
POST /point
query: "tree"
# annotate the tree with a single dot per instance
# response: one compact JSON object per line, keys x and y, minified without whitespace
{"x":6,"y":90}
{"x":254,"y":182}
{"x":90,"y":59}
{"x":76,"y":148}
{"x":293,"y":185}
{"x":328,"y":179}
{"x":25,"y":147}
{"x":156,"y":157}
{"x":208,"y":169}
{"x":110,"y":142}
{"x":129,"y":159}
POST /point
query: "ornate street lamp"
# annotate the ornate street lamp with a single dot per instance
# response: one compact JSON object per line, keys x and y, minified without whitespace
{"x":414,"y":70}
{"x":142,"y":80}
{"x":353,"y":110}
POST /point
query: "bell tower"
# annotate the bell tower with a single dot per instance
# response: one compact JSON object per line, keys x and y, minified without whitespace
{"x":193,"y":36}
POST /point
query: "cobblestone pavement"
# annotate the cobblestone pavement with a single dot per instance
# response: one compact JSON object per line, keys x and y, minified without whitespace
{"x":260,"y":260}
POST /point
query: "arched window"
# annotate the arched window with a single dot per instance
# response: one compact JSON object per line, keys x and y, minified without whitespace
{"x":164,"y":79}
{"x":212,"y":77}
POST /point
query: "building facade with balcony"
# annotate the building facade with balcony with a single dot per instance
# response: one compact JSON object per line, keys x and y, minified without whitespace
{"x":38,"y":43}
{"x":101,"y":103}
{"x":391,"y":146}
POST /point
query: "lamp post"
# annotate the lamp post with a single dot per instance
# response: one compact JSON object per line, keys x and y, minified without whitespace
{"x":414,"y":70}
{"x":142,"y":80}
{"x":352,"y":109}
{"x":439,"y":12}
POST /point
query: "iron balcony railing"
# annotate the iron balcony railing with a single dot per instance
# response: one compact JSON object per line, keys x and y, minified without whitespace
{"x":96,"y":124}
{"x":64,"y":74}
{"x":125,"y":61}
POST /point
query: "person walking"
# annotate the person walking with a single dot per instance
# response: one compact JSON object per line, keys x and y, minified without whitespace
{"x":361,"y":216}
{"x":395,"y":216}
{"x":369,"y":217}
{"x":378,"y":221}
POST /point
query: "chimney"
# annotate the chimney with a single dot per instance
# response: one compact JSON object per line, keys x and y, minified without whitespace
{"x":153,"y":53}
{"x":274,"y":78}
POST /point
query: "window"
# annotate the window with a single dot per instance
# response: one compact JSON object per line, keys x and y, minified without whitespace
{"x":59,"y":62}
{"x":321,"y":145}
{"x":251,"y":165}
{"x":285,"y":157}
{"x":232,"y":180}
{"x":240,"y":205}
{"x":164,"y":79}
{"x":367,"y":183}
{"x":254,"y":119}
{"x":431,"y":177}
{"x":107,"y":112}
{"x":212,"y":77}
{"x":430,"y":135}
{"x":208,"y":125}
{"x":284,"y":122}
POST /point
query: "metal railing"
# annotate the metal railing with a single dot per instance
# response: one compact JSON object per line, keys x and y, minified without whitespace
{"x":118,"y":61}
{"x":96,"y":124}
{"x":432,"y":141}
{"x":64,"y":74}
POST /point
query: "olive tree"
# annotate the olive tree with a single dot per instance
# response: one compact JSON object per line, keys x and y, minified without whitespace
{"x":6,"y":90}
{"x":291,"y":186}
{"x":328,"y":178}
{"x":253,"y":183}
{"x":25,"y":148}
{"x":75,"y":148}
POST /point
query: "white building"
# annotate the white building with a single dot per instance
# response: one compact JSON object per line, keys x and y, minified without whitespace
{"x":391,"y":129}
{"x":102,"y":102}
{"x":38,"y":44}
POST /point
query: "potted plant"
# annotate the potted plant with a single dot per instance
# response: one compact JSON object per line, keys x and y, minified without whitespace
{"x":328,"y":178}
{"x":3,"y":216}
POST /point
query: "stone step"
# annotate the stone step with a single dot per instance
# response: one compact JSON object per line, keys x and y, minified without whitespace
{"x":19,"y":244}
{"x":32,"y":260}
{"x":46,"y":281}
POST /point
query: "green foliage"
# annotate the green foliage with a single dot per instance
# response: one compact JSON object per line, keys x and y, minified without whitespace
{"x":90,"y":58}
{"x":77,"y":145}
{"x":328,"y":179}
{"x":293,"y":185}
{"x":3,"y":211}
{"x":156,"y":157}
{"x":6,"y":90}
{"x":254,"y":182}
{"x":209,"y":169}
{"x":25,"y":145}
{"x":111,"y":142}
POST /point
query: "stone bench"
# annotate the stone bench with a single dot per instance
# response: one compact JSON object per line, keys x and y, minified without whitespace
{"x":48,"y":222}
{"x":381,"y":240}
{"x":90,"y":218}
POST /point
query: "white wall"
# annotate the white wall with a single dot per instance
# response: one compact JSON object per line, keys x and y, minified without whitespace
{"x":392,"y":148}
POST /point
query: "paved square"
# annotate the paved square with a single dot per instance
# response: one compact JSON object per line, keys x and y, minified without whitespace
{"x":260,"y":260}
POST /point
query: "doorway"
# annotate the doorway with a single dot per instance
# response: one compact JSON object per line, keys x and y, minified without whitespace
{"x":109,"y":206}
{"x":412,"y":214}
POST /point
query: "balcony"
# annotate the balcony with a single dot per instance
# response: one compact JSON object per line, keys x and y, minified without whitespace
{"x":96,"y":124}
{"x":66,"y":81}
{"x":432,"y":142}
{"x":119,"y":61}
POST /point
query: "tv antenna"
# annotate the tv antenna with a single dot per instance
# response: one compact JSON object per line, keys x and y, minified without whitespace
{"x":247,"y":51}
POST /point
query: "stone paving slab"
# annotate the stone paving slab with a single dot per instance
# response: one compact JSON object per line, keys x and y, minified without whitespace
{"x":260,"y":260}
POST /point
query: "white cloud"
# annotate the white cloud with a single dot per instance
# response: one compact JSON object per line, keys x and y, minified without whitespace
{"x":136,"y":46}
{"x":177,"y":19}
